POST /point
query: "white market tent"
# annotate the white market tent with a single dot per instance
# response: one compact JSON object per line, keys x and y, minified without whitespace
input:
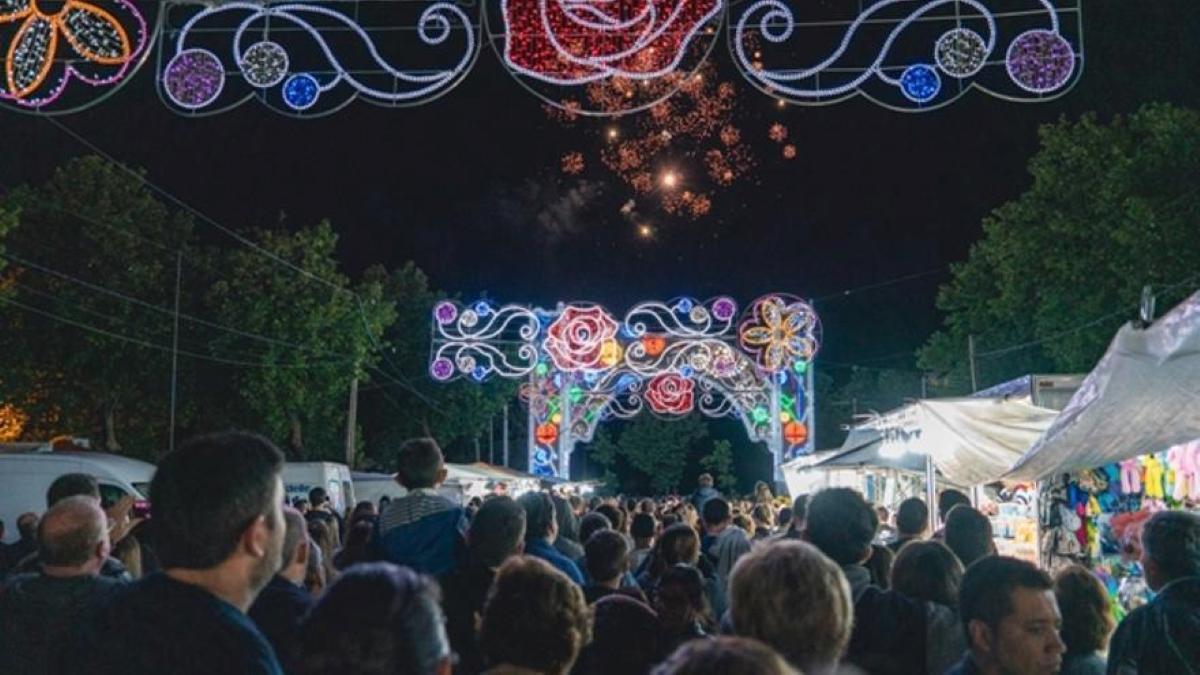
{"x":1143,"y":396}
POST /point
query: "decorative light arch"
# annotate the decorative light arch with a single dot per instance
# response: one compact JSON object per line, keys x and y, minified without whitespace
{"x":583,"y":366}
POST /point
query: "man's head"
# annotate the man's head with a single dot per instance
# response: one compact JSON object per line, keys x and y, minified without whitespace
{"x":593,"y":523}
{"x":949,"y":499}
{"x":607,"y":556}
{"x":884,"y":516}
{"x":793,"y":598}
{"x":27,"y":525}
{"x":70,"y":485}
{"x":535,"y":617}
{"x":419,"y":464}
{"x":218,"y":501}
{"x":969,"y":534}
{"x":927,"y":570}
{"x":73,"y":537}
{"x":616,"y":516}
{"x":912,"y":518}
{"x":317,"y":497}
{"x":717,"y":512}
{"x":540,"y":520}
{"x":799,"y":513}
{"x":705,"y":480}
{"x":1011,"y":618}
{"x":294,"y":551}
{"x":724,"y":656}
{"x":497,"y":532}
{"x":1170,"y":547}
{"x":642,"y":528}
{"x":842,"y":524}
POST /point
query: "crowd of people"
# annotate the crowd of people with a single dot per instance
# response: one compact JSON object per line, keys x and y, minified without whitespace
{"x":225,"y":577}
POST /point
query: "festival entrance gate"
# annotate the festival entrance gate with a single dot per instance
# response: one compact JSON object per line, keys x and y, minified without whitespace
{"x":584,"y":367}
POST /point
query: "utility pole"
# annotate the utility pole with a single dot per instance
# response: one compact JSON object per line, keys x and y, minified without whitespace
{"x":504,"y":443}
{"x":352,"y":418}
{"x":492,"y":439}
{"x":971,"y":357}
{"x":175,"y":347}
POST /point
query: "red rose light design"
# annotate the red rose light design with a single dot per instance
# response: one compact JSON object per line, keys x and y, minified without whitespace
{"x":576,"y":339}
{"x":671,"y":394}
{"x":572,"y":42}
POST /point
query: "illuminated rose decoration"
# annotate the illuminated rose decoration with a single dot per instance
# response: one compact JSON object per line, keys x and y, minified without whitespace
{"x":571,"y":42}
{"x":671,"y":394}
{"x":576,"y":340}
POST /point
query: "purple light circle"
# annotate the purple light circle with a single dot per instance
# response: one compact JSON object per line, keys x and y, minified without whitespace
{"x":194,"y":78}
{"x":1040,"y":61}
{"x":724,"y":309}
{"x":441,"y":369}
{"x":445,"y":312}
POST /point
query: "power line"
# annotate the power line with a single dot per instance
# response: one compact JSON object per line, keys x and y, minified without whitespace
{"x":881,"y":284}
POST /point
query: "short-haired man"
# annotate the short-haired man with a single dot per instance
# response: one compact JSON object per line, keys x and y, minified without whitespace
{"x":497,"y":533}
{"x":280,"y":606}
{"x":219,"y":533}
{"x":912,"y":522}
{"x":23,"y":547}
{"x":704,"y":492}
{"x":792,"y":597}
{"x":322,"y":509}
{"x":947,"y":500}
{"x":607,"y":561}
{"x":890,"y":629}
{"x":1164,"y":635}
{"x":541,"y":529}
{"x":39,"y":612}
{"x":83,"y":485}
{"x":1011,"y":620}
{"x":723,"y":543}
{"x":969,"y":534}
{"x":642,"y":529}
{"x":422,"y":530}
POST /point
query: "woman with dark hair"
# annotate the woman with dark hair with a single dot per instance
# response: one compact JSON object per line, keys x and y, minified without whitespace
{"x":1087,"y":621}
{"x":929,"y":571}
{"x":724,"y":656}
{"x":378,"y":619}
{"x":355,"y":550}
{"x":568,"y":542}
{"x":624,"y":639}
{"x":880,"y":566}
{"x":683,"y":613}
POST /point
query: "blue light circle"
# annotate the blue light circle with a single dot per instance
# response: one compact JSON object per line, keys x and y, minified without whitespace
{"x":920,"y":83}
{"x":301,"y":91}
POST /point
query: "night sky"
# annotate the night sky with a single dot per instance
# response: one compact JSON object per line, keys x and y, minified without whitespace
{"x":873,"y":194}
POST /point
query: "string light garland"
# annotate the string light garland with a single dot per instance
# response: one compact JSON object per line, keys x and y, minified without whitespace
{"x":98,"y":43}
{"x":912,"y":47}
{"x":582,"y":366}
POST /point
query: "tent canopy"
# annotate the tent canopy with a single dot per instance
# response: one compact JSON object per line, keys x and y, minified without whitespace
{"x":971,"y":440}
{"x":1143,"y":396}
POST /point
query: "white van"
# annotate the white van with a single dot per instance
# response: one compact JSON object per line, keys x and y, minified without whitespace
{"x":25,"y":477}
{"x":300,"y":477}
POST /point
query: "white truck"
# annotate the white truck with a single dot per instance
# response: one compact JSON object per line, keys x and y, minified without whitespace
{"x":300,"y":477}
{"x":26,"y":475}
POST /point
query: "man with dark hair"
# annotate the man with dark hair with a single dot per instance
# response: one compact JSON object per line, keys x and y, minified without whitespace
{"x":607,"y":561}
{"x":889,"y":635}
{"x":969,"y":534}
{"x":40,"y":612}
{"x":83,"y":485}
{"x":1164,"y":635}
{"x":912,"y":522}
{"x":320,"y":508}
{"x":947,"y":500}
{"x":797,"y":521}
{"x":422,"y":530}
{"x":541,"y":529}
{"x":219,"y":532}
{"x":283,"y":603}
{"x":24,"y":547}
{"x":704,"y":492}
{"x":1011,"y":620}
{"x":497,"y":533}
{"x":642,"y":530}
{"x":722,"y":543}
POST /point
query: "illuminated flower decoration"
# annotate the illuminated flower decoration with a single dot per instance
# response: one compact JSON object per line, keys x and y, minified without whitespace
{"x":795,"y":433}
{"x":574,"y":42}
{"x":81,"y":41}
{"x":576,"y":339}
{"x":779,"y":332}
{"x":671,"y":394}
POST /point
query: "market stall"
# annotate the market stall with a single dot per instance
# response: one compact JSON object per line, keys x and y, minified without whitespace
{"x":1124,"y":447}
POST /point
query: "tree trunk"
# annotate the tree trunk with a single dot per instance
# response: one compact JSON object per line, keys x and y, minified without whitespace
{"x":110,"y":428}
{"x":296,"y":440}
